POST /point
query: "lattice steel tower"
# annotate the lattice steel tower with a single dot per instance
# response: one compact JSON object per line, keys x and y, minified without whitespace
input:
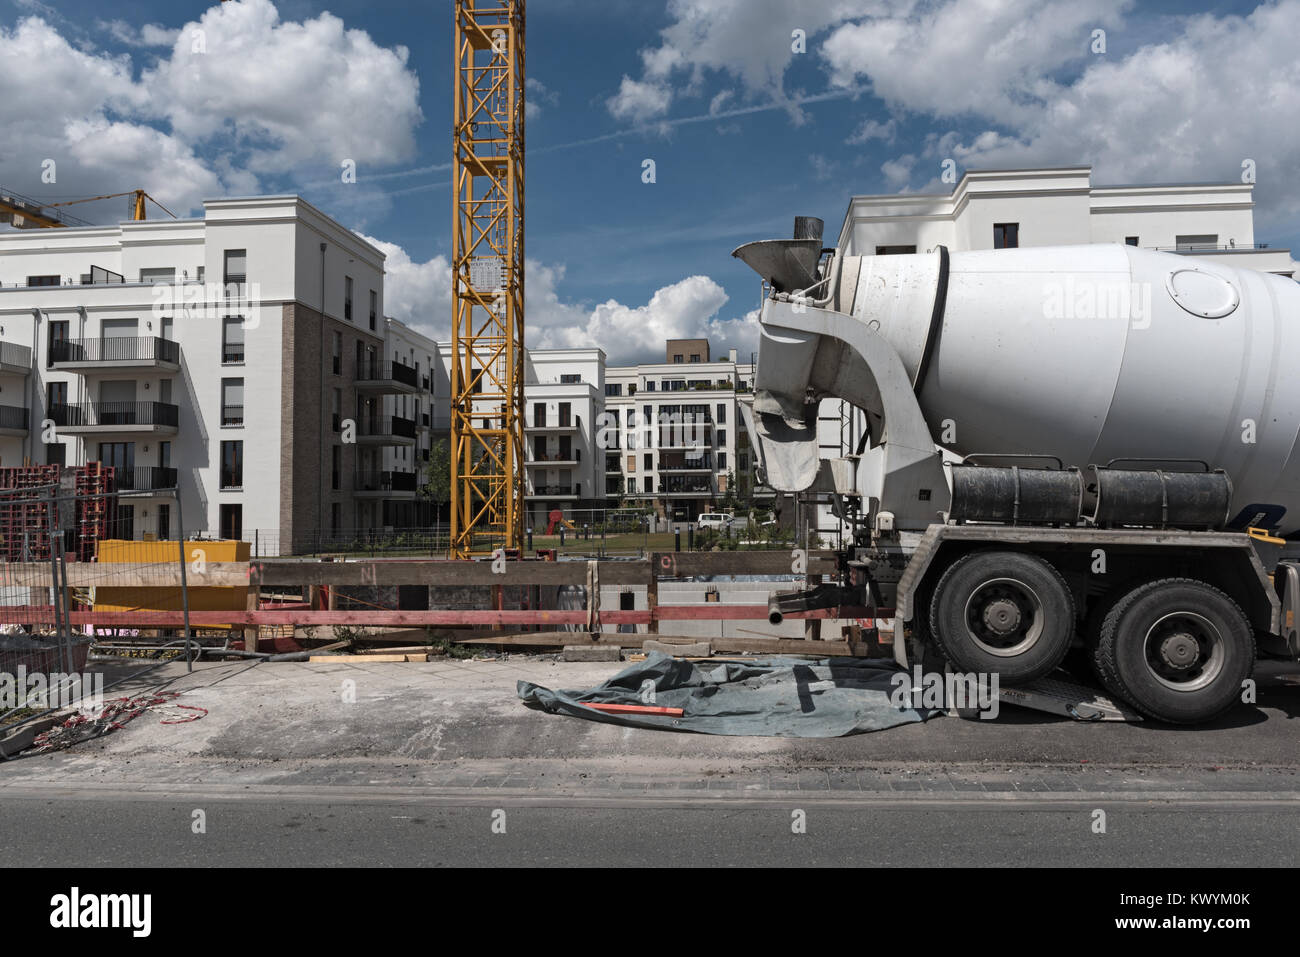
{"x":487,"y":372}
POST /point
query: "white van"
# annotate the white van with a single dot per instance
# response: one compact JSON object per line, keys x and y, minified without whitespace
{"x":718,"y":520}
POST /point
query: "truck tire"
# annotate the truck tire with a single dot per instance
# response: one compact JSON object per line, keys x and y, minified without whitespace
{"x":1009,"y":613}
{"x":1177,"y":649}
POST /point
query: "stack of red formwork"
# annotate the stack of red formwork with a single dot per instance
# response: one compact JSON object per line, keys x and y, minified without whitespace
{"x":26,"y":517}
{"x":95,"y":506}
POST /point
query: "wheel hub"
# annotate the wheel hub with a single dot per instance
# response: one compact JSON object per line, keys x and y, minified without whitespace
{"x":1002,"y":616}
{"x":1180,"y":650}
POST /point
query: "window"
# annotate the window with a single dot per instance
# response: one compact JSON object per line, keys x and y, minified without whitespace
{"x":566,"y":449}
{"x":165,"y":454}
{"x":164,"y":522}
{"x":336,"y":466}
{"x":338,"y":409}
{"x":649,"y":385}
{"x":232,"y":401}
{"x":631,"y":486}
{"x":613,"y":388}
{"x":722,"y":461}
{"x":337,"y":361}
{"x":56,"y":394}
{"x":235,"y":272}
{"x":895,"y":250}
{"x":1197,"y":241}
{"x":1006,"y":235}
{"x":570,"y":379}
{"x":124,"y":521}
{"x":539,"y":414}
{"x":678,"y":357}
{"x":347,"y":298}
{"x":56,"y":453}
{"x":1130,"y":240}
{"x":566,"y":414}
{"x":648,"y":459}
{"x":336,"y":516}
{"x":232,"y":340}
{"x":56,"y":350}
{"x":42,"y":280}
{"x":232,"y":464}
{"x":695,"y":357}
{"x":539,"y":448}
{"x":374,"y":307}
{"x":121,"y":456}
{"x":232,"y":522}
{"x":722,"y":436}
{"x":165,"y":274}
{"x":722,"y":413}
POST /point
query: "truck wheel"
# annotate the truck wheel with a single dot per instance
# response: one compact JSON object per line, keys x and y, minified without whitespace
{"x":1177,"y":649}
{"x":1004,"y":612}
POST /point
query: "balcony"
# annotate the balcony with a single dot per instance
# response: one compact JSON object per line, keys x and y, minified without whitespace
{"x":385,"y":485}
{"x":573,"y":457}
{"x":691,"y":487}
{"x":556,"y":491}
{"x":15,"y":359}
{"x":704,"y":464}
{"x":385,"y":430}
{"x":148,"y":478}
{"x":116,"y":353}
{"x":562,"y":424}
{"x":98,"y":418}
{"x":386,"y":378}
{"x":13,"y":420}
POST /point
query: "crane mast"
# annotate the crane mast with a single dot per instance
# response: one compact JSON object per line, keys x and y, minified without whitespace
{"x":487,"y":367}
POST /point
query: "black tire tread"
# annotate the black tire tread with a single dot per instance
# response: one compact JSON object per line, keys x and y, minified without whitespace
{"x":1104,"y":655}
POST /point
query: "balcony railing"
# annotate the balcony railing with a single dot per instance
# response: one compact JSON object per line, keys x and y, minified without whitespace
{"x":231,"y":354}
{"x":386,"y":426}
{"x":385,"y":482}
{"x":114,"y":413}
{"x":377,"y":370}
{"x":686,"y":487}
{"x":232,"y":415}
{"x":574,"y":489}
{"x":13,"y":417}
{"x":12,"y":354}
{"x":688,"y":465}
{"x":148,"y":478}
{"x":116,"y":349}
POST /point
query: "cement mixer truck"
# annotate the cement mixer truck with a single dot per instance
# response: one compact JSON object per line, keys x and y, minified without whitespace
{"x":1079,"y":447}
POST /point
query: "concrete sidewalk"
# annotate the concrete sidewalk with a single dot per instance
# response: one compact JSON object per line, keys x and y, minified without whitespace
{"x":458,"y":724}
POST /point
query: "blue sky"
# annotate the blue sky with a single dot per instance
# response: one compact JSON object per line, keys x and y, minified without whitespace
{"x":745,"y":132}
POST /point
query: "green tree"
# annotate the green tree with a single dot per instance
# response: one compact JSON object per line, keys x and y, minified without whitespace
{"x":436,"y":479}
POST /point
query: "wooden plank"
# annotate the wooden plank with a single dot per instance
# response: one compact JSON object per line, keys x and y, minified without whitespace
{"x":127,"y":574}
{"x":368,"y":659}
{"x":787,"y":646}
{"x":774,"y":562}
{"x":251,"y":604}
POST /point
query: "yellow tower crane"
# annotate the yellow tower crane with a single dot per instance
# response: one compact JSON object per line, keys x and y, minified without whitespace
{"x":33,"y":214}
{"x":487,"y":367}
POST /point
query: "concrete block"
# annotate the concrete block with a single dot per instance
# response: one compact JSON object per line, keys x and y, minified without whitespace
{"x":591,"y":653}
{"x":694,"y":649}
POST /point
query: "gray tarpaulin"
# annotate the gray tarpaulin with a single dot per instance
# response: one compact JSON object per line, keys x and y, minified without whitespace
{"x":775,"y":697}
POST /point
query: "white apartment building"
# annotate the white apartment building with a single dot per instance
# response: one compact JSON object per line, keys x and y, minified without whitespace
{"x":682,"y":432}
{"x":991,"y":209}
{"x":203,"y":355}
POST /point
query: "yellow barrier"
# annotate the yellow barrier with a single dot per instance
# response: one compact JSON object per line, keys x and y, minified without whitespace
{"x":110,"y":552}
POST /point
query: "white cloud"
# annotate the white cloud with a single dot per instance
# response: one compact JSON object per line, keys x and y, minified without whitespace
{"x":872,"y":130}
{"x":266,"y":98}
{"x":288,"y":93}
{"x":419,"y":294}
{"x":639,"y":102}
{"x":538,"y":96}
{"x":149,"y":35}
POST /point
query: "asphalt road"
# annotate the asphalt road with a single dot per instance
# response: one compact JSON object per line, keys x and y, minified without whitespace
{"x":75,"y":829}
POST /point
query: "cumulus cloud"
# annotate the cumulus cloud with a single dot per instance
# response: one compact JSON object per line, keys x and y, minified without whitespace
{"x":229,"y":100}
{"x":639,"y":102}
{"x":419,"y":294}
